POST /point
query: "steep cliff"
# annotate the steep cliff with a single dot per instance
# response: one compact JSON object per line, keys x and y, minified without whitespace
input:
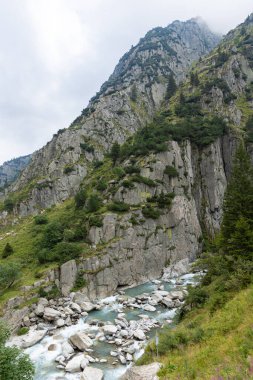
{"x":152,"y":204}
{"x":126,"y":102}
{"x":10,"y":170}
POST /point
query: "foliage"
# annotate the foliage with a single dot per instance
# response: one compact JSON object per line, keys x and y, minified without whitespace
{"x":80,"y":282}
{"x":8,"y":204}
{"x":194,"y":79}
{"x":101,"y":185}
{"x":150,"y":212}
{"x":115,"y":152}
{"x":94,"y":203}
{"x":22,"y":331}
{"x":14,"y":365}
{"x":118,"y":206}
{"x":53,"y":234}
{"x":171,"y":171}
{"x":238,"y":203}
{"x":132,"y":169}
{"x":140,"y":179}
{"x":69,"y":169}
{"x":87,"y":147}
{"x":171,"y":87}
{"x":200,"y":130}
{"x":80,"y":198}
{"x":7,"y":251}
{"x":9,"y":273}
{"x":61,"y":252}
{"x":96,"y":220}
{"x":128,"y":184}
{"x":119,"y":172}
{"x":249,"y":129}
{"x":163,"y":200}
{"x":40,"y":219}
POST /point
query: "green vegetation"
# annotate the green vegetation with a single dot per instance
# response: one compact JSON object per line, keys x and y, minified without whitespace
{"x":171,"y":171}
{"x":22,"y":331}
{"x":9,"y":273}
{"x":145,"y":180}
{"x":7,"y":251}
{"x":40,"y":219}
{"x":215,"y":337}
{"x":163,"y":200}
{"x":13,"y":363}
{"x":118,"y":206}
{"x":80,"y":282}
{"x":150,"y":212}
{"x":69,"y":169}
{"x":171,"y":88}
{"x":115,"y":152}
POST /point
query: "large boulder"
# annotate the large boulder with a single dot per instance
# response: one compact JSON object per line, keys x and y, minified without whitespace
{"x":144,"y":372}
{"x":91,"y":373}
{"x":76,"y":364}
{"x":81,"y":341}
{"x":110,"y":329}
{"x":68,"y":273}
{"x":32,"y":338}
{"x":51,"y":314}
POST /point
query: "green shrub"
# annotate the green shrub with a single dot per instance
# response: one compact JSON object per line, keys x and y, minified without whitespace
{"x":7,"y":251}
{"x":140,"y":179}
{"x":132,"y":169}
{"x":134,"y":220}
{"x":42,"y":293}
{"x":171,"y":171}
{"x":79,"y":283}
{"x":118,"y":206}
{"x":128,"y":184}
{"x":22,"y":331}
{"x":9,"y":204}
{"x":40,"y":219}
{"x":101,"y":185}
{"x":69,"y":235}
{"x":63,"y":252}
{"x":53,"y":234}
{"x":119,"y":172}
{"x":87,"y":147}
{"x":150,"y":212}
{"x":97,"y":164}
{"x":93,"y":203}
{"x":69,"y":169}
{"x":115,"y":152}
{"x":9,"y":274}
{"x":162,"y":200}
{"x":80,"y":199}
{"x":96,"y":220}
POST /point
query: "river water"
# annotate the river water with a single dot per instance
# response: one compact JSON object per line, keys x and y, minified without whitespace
{"x":45,"y":360}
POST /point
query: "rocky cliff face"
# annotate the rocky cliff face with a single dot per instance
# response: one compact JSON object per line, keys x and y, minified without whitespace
{"x":133,"y":246}
{"x":126,"y":102}
{"x":10,"y":170}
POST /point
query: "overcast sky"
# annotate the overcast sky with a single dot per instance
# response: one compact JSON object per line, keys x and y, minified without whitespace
{"x":55,"y":54}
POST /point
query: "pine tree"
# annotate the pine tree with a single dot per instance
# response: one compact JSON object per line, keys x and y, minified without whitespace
{"x":238,"y":203}
{"x":115,"y":152}
{"x":171,"y":88}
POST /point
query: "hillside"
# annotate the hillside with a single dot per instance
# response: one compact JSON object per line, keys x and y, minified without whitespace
{"x":132,"y":209}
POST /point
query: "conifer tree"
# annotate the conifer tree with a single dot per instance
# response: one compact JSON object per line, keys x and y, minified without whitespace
{"x":171,"y":88}
{"x":238,"y":205}
{"x":115,"y":152}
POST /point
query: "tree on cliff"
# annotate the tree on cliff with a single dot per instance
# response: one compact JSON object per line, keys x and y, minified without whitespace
{"x":237,"y":224}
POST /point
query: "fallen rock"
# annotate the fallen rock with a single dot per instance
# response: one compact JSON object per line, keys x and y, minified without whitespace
{"x":139,"y":334}
{"x":81,"y":341}
{"x":51,"y":314}
{"x":32,"y":338}
{"x":91,"y":373}
{"x":110,"y":329}
{"x":144,"y":372}
{"x":74,"y":365}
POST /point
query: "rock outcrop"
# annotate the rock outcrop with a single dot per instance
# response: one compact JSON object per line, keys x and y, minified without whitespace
{"x":126,"y":102}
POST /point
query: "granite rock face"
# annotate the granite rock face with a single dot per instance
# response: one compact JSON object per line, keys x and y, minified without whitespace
{"x":126,"y":102}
